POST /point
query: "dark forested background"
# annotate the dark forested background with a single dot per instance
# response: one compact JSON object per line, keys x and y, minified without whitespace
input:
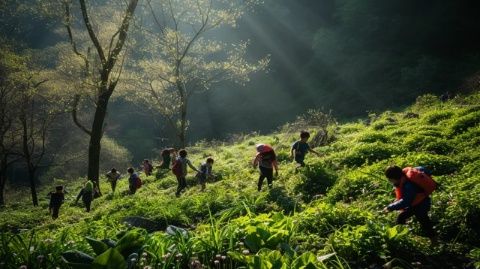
{"x":344,"y":55}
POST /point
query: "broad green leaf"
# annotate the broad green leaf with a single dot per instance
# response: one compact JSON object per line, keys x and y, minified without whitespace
{"x":98,"y":246}
{"x":110,"y":259}
{"x":130,"y":242}
{"x":76,"y":257}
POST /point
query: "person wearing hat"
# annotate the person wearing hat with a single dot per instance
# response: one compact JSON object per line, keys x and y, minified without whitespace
{"x":266,"y":160}
{"x":56,"y":200}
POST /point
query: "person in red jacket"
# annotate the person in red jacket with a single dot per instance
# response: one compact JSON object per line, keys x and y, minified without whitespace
{"x":411,"y":199}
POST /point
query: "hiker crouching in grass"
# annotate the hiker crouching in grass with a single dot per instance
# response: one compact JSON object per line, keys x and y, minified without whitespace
{"x":266,"y":160}
{"x":205,"y":172}
{"x":412,"y":189}
{"x":179,"y":169}
{"x":113,"y":177}
{"x":86,"y":193}
{"x":300,"y":148}
{"x":56,"y":200}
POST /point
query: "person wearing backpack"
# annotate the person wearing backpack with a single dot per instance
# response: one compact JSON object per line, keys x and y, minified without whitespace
{"x":205,"y":172}
{"x":113,"y":177}
{"x":86,"y":193}
{"x":167,"y":155}
{"x":134,"y":181}
{"x":147,"y":167}
{"x":266,"y":160}
{"x":179,"y":169}
{"x":300,"y":148}
{"x":56,"y":200}
{"x":412,"y":190}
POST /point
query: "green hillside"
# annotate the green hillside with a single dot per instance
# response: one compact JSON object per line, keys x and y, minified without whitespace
{"x":326,"y":215}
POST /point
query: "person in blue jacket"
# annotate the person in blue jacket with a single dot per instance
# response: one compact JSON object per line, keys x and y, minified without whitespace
{"x":410,"y":200}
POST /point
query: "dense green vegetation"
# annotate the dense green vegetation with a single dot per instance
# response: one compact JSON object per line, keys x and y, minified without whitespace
{"x":327,"y":215}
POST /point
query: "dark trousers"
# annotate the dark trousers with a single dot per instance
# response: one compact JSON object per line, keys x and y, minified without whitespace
{"x":265,"y":173}
{"x":421,"y":214}
{"x":182,"y":184}
{"x":300,"y":160}
{"x":132,"y":188}
{"x":114,"y":185}
{"x":87,"y":199}
{"x":55,"y":211}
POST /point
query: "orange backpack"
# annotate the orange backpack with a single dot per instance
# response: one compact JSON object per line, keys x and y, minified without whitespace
{"x":421,"y":179}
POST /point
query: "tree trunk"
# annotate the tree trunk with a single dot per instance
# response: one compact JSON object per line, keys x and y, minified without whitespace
{"x":183,"y":123}
{"x":33,"y":189}
{"x":96,"y":138}
{"x":3,"y":180}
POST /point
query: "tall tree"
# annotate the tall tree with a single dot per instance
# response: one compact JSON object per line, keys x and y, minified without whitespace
{"x":103,"y":68}
{"x":185,"y":57}
{"x":34,"y":118}
{"x":11,"y":66}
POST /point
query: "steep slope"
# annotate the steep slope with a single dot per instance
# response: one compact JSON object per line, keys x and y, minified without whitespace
{"x":326,"y":215}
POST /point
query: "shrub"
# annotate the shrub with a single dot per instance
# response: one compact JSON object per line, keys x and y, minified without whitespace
{"x":323,"y":218}
{"x":316,"y":180}
{"x":425,"y":102}
{"x":359,"y":184}
{"x":367,"y":244}
{"x":364,"y":153}
{"x":437,"y":116}
{"x":371,"y":137}
{"x":463,"y":123}
{"x":438,"y":164}
{"x":458,"y":211}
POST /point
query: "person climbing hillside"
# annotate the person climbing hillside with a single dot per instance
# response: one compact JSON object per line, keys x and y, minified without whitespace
{"x":113,"y":177}
{"x":266,"y":160}
{"x":147,"y":167}
{"x":56,"y":200}
{"x":412,"y":188}
{"x":86,"y":193}
{"x":300,"y":148}
{"x":134,"y":181}
{"x":179,"y":169}
{"x":205,"y":172}
{"x":167,"y":155}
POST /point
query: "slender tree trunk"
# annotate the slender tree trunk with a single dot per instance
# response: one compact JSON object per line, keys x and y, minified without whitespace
{"x":27,"y":155}
{"x":33,"y":188}
{"x":183,"y":124}
{"x":3,"y":180}
{"x":96,"y":138}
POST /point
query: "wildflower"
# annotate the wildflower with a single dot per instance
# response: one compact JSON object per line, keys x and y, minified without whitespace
{"x":223,"y":257}
{"x":147,"y":267}
{"x":40,"y":258}
{"x":144,"y":254}
{"x":23,"y":267}
{"x":218,"y":256}
{"x":217,"y":263}
{"x":245,"y":252}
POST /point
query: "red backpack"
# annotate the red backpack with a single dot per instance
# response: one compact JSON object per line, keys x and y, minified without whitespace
{"x":177,"y":168}
{"x":138,"y":183}
{"x":420,"y":178}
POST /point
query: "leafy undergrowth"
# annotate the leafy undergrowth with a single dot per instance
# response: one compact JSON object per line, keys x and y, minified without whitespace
{"x":326,"y":215}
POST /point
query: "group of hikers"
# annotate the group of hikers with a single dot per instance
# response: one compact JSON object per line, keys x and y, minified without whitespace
{"x":412,"y":185}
